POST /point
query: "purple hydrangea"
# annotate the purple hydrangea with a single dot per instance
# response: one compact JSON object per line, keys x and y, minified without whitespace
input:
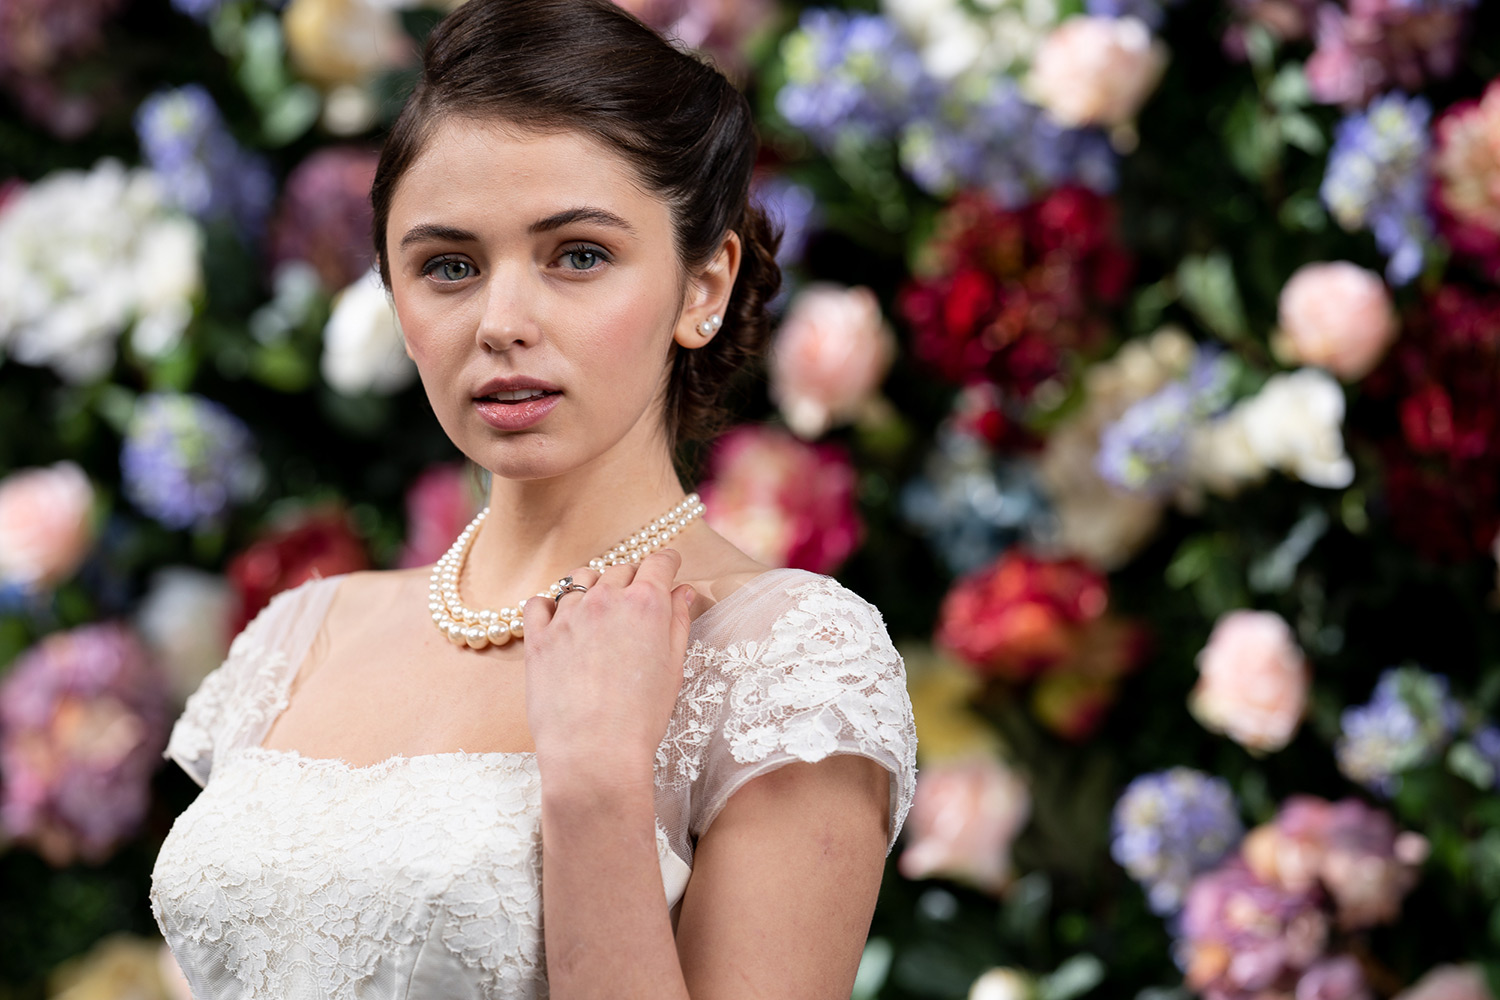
{"x":1171,"y":826}
{"x":1408,"y":721}
{"x":203,"y":169}
{"x":1003,"y":144}
{"x":1377,"y":179}
{"x":1146,"y":449}
{"x":186,"y":459}
{"x":1153,"y":12}
{"x":792,"y":206}
{"x":851,"y":76}
{"x":83,"y":719}
{"x":1487,"y":744}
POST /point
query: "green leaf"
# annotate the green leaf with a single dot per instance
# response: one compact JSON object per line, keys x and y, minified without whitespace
{"x":874,"y":967}
{"x":1252,"y":138}
{"x":1191,"y":562}
{"x":1289,"y":89}
{"x":1302,"y":132}
{"x":290,"y":114}
{"x":1465,"y":760}
{"x":1209,"y":289}
{"x":1075,"y":977}
{"x":262,"y":70}
{"x":282,"y":367}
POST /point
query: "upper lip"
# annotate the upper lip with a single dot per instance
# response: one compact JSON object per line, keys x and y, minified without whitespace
{"x":513,"y":383}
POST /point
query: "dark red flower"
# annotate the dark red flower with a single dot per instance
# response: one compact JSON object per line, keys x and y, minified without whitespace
{"x":324,"y":215}
{"x":318,"y":543}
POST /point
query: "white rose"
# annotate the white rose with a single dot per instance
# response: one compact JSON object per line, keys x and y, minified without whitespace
{"x":362,"y":346}
{"x":185,"y":618}
{"x":1001,"y":984}
{"x":1096,"y":70}
{"x":1295,"y":424}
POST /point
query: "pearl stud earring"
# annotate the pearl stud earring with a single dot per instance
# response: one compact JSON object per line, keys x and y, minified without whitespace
{"x":711,"y":325}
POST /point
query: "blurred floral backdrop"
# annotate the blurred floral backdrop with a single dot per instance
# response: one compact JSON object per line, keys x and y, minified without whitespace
{"x":1139,"y":359}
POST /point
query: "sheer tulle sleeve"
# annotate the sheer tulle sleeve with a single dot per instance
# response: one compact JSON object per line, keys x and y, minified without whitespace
{"x":821,"y":677}
{"x":237,"y":701}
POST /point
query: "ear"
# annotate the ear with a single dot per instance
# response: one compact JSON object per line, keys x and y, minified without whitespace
{"x":708,"y":296}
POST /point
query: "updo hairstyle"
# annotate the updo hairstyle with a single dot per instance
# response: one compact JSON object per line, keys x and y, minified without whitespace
{"x":588,"y":66}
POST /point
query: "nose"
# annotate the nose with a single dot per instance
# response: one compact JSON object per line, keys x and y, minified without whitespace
{"x":509,"y":318}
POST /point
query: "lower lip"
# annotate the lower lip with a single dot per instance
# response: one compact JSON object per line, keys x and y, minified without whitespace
{"x":516,"y":416}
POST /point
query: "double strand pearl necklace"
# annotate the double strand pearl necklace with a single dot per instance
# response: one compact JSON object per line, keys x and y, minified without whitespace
{"x":465,"y":626}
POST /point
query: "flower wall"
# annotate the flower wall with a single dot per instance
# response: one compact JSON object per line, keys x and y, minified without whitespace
{"x":1140,"y":360}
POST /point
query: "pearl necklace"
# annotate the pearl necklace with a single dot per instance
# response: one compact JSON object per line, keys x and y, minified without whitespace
{"x":464,"y":626}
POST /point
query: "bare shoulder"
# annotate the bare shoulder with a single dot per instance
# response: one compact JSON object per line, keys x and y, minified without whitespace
{"x":715,"y":566}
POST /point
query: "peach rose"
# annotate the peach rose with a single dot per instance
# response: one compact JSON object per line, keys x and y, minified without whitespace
{"x":1097,"y":70}
{"x":1337,"y":316}
{"x":46,"y":526}
{"x":830,"y":356}
{"x":964,"y":817}
{"x":1253,"y":681}
{"x":1450,"y":982}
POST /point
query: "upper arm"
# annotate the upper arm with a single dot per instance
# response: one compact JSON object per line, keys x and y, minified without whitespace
{"x":784,"y":883}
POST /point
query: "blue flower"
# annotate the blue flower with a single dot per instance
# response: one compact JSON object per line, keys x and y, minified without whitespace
{"x":1151,"y":11}
{"x":1169,"y":827}
{"x":1377,"y":179}
{"x":204,"y":171}
{"x":187,"y":459}
{"x":1408,"y":721}
{"x":1146,"y":449}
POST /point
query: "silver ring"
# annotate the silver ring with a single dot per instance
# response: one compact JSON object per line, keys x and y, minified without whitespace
{"x":572,"y":588}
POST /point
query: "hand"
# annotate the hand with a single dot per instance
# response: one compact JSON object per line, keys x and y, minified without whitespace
{"x":603,"y":669}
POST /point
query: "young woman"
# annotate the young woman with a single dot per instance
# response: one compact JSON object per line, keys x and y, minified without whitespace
{"x":708,"y":760}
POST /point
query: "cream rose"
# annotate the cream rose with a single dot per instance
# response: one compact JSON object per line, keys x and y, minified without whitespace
{"x":1096,"y":70}
{"x":1002,"y":984}
{"x":46,"y":524}
{"x":964,"y":816}
{"x":362,"y":346}
{"x":1253,"y":681}
{"x":185,"y":619}
{"x":829,"y":358}
{"x":1337,"y":316}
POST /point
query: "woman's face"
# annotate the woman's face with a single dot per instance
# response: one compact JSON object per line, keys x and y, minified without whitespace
{"x":539,"y":292}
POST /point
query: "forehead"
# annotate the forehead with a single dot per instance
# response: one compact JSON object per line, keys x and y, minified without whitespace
{"x":472,"y":165}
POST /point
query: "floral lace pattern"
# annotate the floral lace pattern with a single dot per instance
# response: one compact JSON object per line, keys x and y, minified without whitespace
{"x":309,"y":878}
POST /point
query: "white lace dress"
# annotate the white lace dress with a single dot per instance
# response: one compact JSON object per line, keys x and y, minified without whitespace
{"x":299,"y":878}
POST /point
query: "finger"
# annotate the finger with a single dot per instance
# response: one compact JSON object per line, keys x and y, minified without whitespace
{"x":682,"y":620}
{"x":537,"y":612}
{"x":618,"y":575}
{"x":660,"y":568}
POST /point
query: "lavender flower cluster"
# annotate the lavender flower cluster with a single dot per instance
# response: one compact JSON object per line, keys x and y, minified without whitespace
{"x":186,"y":459}
{"x":1377,"y":179}
{"x":1146,"y":449}
{"x":853,"y":79}
{"x":1409,"y":721}
{"x":1171,"y":826}
{"x":203,"y":169}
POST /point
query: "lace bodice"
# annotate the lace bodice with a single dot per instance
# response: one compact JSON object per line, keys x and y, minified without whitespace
{"x":302,"y":878}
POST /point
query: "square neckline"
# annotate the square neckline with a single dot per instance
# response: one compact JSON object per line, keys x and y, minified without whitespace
{"x":256,"y":749}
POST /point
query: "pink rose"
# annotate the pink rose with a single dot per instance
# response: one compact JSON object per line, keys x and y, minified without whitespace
{"x":964,"y":817}
{"x":1466,"y":178}
{"x":1450,"y":982}
{"x":1253,"y":681}
{"x":1337,"y":316}
{"x":439,"y":505}
{"x":830,"y":356}
{"x":45,"y":524}
{"x":1097,"y":70}
{"x":783,"y":501}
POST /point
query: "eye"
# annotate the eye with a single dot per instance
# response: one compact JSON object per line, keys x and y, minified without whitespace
{"x":448,"y":269}
{"x":590,"y":255}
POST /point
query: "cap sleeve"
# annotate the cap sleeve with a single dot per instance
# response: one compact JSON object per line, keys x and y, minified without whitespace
{"x":237,"y":701}
{"x":822,"y":678}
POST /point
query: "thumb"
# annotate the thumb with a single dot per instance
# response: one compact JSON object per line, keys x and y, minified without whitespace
{"x":682,"y":615}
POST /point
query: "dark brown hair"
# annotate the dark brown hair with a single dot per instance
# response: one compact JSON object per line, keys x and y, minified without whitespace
{"x":591,"y":67}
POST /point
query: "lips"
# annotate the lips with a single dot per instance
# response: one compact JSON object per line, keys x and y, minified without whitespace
{"x":515,"y":403}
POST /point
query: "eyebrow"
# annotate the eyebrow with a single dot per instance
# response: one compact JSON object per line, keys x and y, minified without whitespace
{"x":429,"y":232}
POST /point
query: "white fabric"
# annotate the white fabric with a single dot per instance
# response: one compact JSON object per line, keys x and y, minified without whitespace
{"x":300,"y":878}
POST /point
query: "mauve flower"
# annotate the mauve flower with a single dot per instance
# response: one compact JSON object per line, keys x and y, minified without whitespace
{"x":46,"y":524}
{"x":1367,"y":46}
{"x":1337,"y":316}
{"x":1466,"y":178}
{"x":439,"y":505}
{"x":720,"y":27}
{"x":1097,"y":70}
{"x":785,"y":502}
{"x":324,"y":216}
{"x":1338,"y":978}
{"x":1253,"y":681}
{"x":1171,"y":826}
{"x":964,"y":817}
{"x":314,"y":543}
{"x":1241,"y":938}
{"x":83,"y":719}
{"x":1450,"y":982}
{"x":830,"y":355}
{"x":185,"y":619}
{"x":39,"y":40}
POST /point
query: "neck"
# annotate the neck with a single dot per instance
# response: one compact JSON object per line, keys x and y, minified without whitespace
{"x":538,"y":530}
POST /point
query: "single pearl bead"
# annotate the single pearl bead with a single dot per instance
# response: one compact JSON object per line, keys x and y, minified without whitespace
{"x":477,"y":638}
{"x":499,"y":633}
{"x":517,"y":628}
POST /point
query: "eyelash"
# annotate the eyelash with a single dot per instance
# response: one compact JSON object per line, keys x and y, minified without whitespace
{"x":581,"y":248}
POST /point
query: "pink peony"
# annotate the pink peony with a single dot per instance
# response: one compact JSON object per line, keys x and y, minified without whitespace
{"x":1368,"y":46}
{"x":784,"y":502}
{"x":324,"y":215}
{"x":1242,"y":938}
{"x":964,"y":817}
{"x":1352,"y":851}
{"x":1097,"y":70}
{"x":46,"y":524}
{"x":1466,"y":178}
{"x":1337,"y":316}
{"x":831,"y":354}
{"x":83,"y":719}
{"x":722,"y":28}
{"x":439,"y":505}
{"x":1339,"y":978}
{"x":1253,"y":681}
{"x":1450,"y":982}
